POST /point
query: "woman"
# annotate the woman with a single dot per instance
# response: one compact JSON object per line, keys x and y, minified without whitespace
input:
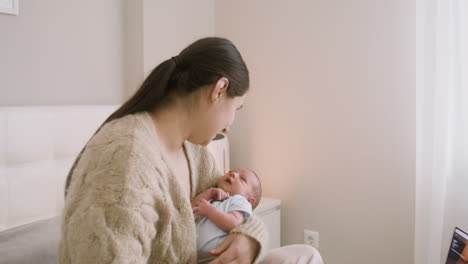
{"x":128,"y":194}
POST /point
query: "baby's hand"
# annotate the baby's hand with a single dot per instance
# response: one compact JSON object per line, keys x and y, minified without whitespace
{"x":218,"y":194}
{"x":202,"y":207}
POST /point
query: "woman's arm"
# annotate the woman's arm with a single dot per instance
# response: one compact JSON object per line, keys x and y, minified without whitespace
{"x":254,"y":229}
{"x":242,"y":247}
{"x":113,"y":234}
{"x":236,"y":248}
{"x":110,"y":215}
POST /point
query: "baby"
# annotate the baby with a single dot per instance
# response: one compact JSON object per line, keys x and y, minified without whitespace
{"x":238,"y":193}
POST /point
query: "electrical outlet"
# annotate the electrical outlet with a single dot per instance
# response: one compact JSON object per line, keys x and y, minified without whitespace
{"x":311,"y":238}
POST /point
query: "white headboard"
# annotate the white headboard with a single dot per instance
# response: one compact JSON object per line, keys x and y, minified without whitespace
{"x":37,"y":147}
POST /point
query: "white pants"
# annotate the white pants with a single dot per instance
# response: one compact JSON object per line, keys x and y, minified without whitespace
{"x":293,"y":254}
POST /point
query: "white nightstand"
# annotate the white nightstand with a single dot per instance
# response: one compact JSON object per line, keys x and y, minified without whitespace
{"x":269,"y":211}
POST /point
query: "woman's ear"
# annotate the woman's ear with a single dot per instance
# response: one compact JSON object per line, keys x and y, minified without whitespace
{"x":219,"y":89}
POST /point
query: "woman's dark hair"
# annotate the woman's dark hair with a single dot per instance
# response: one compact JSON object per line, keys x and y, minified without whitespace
{"x":202,"y":63}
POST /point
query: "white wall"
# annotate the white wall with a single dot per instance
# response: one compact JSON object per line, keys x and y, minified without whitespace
{"x":170,"y":26}
{"x":329,"y":123}
{"x":158,"y":30}
{"x":92,"y":52}
{"x":62,"y":52}
{"x":134,"y":54}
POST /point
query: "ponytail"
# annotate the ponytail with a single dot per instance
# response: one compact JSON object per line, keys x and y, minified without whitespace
{"x":151,"y":92}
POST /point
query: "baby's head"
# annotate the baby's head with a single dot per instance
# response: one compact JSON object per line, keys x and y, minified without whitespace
{"x":242,"y":181}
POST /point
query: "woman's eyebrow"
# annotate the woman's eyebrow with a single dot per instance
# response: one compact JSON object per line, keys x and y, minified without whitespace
{"x":240,"y":107}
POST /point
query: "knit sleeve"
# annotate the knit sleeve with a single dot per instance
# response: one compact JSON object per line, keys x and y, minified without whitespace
{"x":110,"y":214}
{"x":111,"y":234}
{"x":254,"y":228}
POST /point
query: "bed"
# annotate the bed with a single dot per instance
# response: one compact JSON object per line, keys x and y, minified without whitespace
{"x":38,"y":145}
{"x":35,"y":155}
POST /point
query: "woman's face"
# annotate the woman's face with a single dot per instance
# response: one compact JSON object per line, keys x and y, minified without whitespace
{"x":216,"y":116}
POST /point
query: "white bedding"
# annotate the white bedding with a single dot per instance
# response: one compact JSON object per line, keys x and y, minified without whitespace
{"x":37,"y":147}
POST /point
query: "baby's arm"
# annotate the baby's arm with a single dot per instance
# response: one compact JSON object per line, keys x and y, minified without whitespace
{"x":225,"y":221}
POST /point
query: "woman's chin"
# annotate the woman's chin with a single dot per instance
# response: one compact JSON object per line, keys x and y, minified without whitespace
{"x":199,"y":142}
{"x":205,"y":143}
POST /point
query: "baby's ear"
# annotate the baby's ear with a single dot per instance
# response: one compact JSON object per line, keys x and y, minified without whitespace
{"x":251,"y":200}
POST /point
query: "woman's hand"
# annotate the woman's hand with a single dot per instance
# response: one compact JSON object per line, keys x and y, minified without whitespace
{"x":236,"y":248}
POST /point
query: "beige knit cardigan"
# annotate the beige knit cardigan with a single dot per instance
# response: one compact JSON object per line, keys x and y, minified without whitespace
{"x":124,"y":204}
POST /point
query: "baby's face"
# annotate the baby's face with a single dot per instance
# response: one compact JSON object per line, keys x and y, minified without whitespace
{"x":239,"y":181}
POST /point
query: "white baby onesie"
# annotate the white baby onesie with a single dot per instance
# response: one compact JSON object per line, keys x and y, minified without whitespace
{"x":209,"y":235}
